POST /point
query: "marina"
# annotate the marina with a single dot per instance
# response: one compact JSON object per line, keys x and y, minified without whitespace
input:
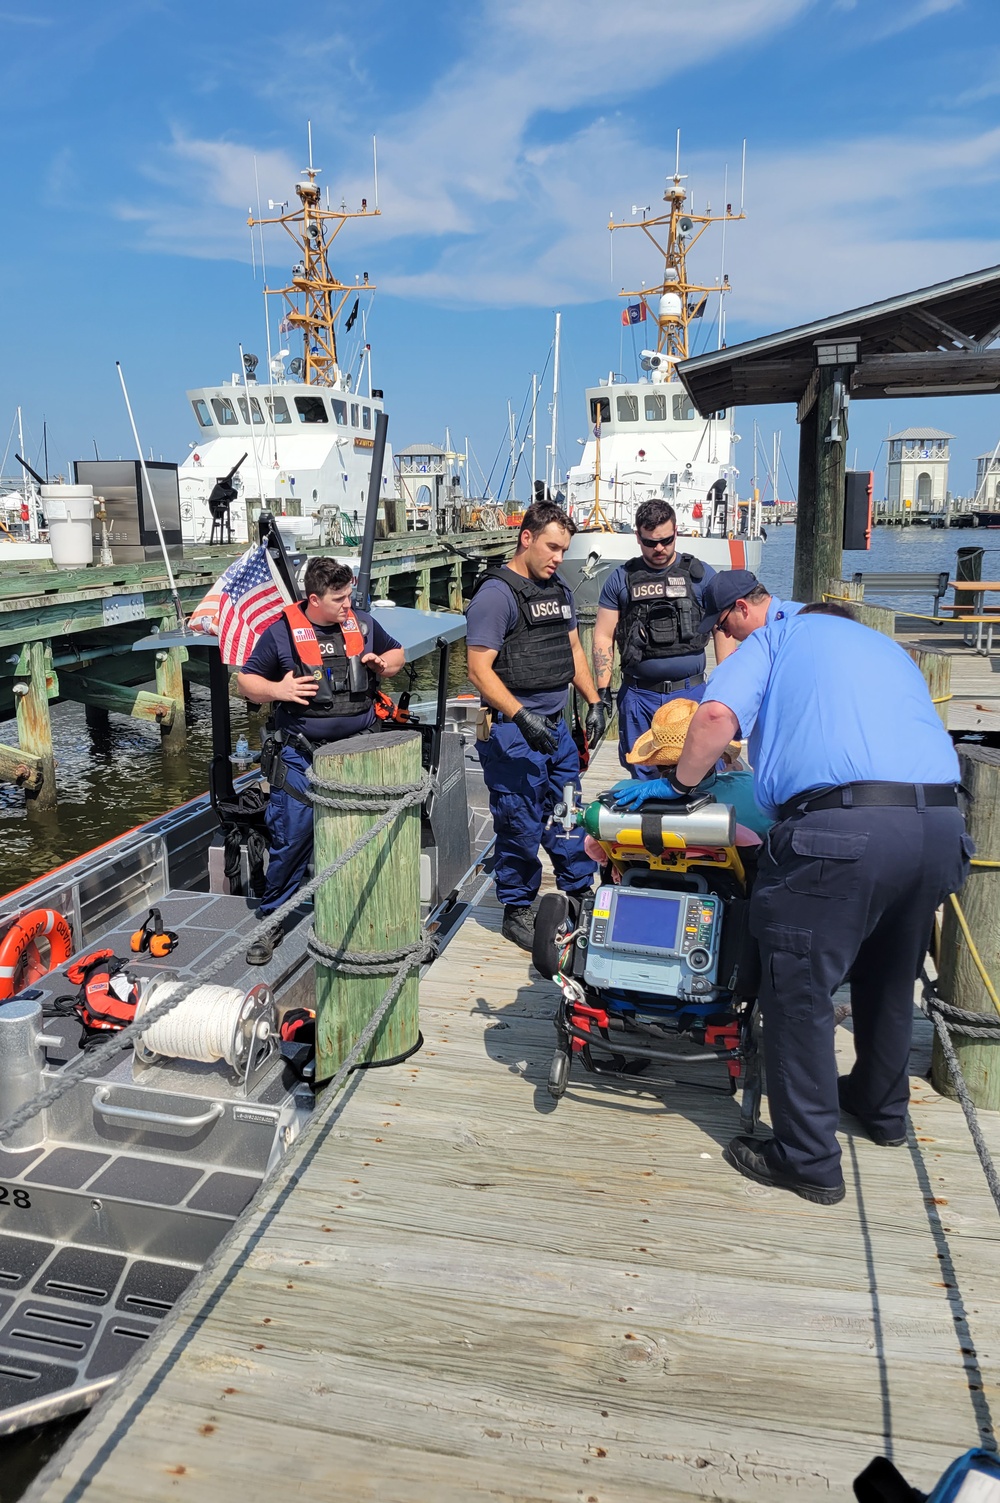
{"x":469,"y":1289}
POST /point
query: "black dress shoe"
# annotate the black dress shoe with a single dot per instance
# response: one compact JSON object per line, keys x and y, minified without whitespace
{"x":877,"y":1135}
{"x":263,"y":947}
{"x":748,"y":1157}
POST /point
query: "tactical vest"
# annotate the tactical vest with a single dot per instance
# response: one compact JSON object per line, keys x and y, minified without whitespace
{"x":662,"y":616}
{"x":341,"y":688}
{"x":537,"y":654}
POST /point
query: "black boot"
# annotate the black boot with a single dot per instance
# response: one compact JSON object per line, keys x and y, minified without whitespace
{"x":518,"y":925}
{"x":264,"y":945}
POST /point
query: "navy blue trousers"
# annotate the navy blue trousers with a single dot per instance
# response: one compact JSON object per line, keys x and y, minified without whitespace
{"x":290,"y":827}
{"x":845,"y":893}
{"x":636,"y":708}
{"x":524,"y":785}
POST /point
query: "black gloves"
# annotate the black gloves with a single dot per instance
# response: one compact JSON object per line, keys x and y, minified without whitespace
{"x":596,"y":721}
{"x":538,"y":735}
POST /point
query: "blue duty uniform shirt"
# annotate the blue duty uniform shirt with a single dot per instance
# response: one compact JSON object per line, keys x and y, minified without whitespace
{"x":491,"y":617}
{"x":273,"y":657}
{"x":777,"y":610}
{"x":826,"y":701}
{"x":614,"y":597}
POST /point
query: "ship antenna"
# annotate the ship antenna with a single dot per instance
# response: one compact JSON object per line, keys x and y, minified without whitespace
{"x":375,"y":169}
{"x":743,"y":175}
{"x":152,"y":502}
{"x":267,"y":315}
{"x":309,"y":133}
{"x":253,"y":439}
{"x":722,"y":267}
{"x":677,"y":162}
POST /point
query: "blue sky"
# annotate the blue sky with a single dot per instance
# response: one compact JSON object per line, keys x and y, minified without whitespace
{"x":507,"y":130}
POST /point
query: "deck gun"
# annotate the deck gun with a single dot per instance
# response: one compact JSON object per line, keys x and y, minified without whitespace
{"x":221,"y":497}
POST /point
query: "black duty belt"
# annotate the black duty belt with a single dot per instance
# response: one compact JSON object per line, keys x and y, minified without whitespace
{"x":873,"y":796}
{"x":667,"y":685}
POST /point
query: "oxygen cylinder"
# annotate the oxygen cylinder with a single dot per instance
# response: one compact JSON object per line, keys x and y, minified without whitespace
{"x":711,"y":825}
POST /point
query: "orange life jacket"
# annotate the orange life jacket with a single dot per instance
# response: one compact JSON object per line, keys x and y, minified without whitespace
{"x":98,"y":1006}
{"x":306,"y":646}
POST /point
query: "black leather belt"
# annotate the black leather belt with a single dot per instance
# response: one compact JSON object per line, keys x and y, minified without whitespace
{"x":873,"y":796}
{"x":667,"y":685}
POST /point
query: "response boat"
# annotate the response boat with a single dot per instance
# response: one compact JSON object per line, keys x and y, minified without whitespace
{"x":645,"y":438}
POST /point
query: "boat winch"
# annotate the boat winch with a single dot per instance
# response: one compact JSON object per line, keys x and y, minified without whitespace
{"x":211,"y":1024}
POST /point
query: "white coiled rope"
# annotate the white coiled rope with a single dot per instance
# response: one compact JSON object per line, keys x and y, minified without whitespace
{"x":206,"y":1026}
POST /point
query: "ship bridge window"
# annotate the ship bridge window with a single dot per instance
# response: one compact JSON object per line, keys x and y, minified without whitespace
{"x":628,"y":409}
{"x":339,"y":411}
{"x":225,"y":412}
{"x":311,"y":410}
{"x":355,"y":415}
{"x":600,"y":409}
{"x":720,"y":416}
{"x":278,"y":408}
{"x":202,"y":413}
{"x":655,"y":406}
{"x":366,"y":418}
{"x":251,"y":411}
{"x":683,"y":410}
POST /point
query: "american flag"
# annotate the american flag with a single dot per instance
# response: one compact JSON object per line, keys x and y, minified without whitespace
{"x":242,"y":603}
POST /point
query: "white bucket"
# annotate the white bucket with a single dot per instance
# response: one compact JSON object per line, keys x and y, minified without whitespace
{"x":70,"y":513}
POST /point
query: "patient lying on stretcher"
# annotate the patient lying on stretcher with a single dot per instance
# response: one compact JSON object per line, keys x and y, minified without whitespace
{"x":661,"y":746}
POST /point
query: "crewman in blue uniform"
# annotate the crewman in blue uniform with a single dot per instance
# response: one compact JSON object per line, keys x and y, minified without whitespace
{"x":320,"y":663}
{"x":852,"y":761}
{"x":736,"y":604}
{"x":651,"y":609}
{"x":523,"y":652}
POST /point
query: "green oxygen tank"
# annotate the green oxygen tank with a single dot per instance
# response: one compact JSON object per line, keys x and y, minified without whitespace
{"x":711,"y":825}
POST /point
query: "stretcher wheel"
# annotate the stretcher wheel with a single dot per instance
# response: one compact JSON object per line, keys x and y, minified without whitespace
{"x":558,"y":1073}
{"x":550,"y":923}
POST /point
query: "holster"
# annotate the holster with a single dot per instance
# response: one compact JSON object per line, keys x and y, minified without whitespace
{"x":484,"y":723}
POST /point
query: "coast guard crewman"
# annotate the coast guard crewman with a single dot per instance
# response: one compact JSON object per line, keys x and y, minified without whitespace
{"x":304,"y":663}
{"x":852,"y":761}
{"x":524,"y":652}
{"x":736,"y":604}
{"x":651,"y":609}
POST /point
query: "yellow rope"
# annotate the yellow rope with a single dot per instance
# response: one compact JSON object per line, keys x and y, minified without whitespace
{"x":943,"y":699}
{"x":963,"y":923}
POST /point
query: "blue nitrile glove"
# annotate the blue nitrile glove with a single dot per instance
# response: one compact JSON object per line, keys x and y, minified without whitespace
{"x":633,"y":793}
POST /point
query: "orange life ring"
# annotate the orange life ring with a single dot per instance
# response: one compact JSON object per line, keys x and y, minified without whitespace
{"x":21,"y":962}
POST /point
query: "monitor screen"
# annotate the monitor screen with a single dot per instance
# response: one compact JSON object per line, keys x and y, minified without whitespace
{"x":641,"y":919}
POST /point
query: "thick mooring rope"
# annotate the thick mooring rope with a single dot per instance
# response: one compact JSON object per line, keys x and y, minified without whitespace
{"x":405,"y":796}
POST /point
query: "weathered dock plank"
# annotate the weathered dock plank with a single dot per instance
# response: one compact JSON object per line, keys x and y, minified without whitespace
{"x":459,"y":1289}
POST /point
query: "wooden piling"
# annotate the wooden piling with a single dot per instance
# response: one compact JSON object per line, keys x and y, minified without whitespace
{"x":936,"y":669}
{"x":456,"y":598}
{"x":822,"y":446}
{"x":34,"y":725}
{"x":959,"y":979}
{"x":807,"y":583}
{"x":170,"y":685}
{"x":373,"y":905}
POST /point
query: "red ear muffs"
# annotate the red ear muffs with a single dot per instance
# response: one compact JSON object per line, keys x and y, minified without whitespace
{"x":153,"y":939}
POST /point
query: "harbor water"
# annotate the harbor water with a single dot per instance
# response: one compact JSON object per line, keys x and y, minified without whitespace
{"x":109,"y":783}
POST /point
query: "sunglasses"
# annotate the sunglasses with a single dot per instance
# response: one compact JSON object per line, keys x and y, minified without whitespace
{"x":658,"y":542}
{"x":725,"y":616}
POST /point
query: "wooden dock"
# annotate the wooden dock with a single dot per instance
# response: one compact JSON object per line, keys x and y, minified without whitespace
{"x":459,"y":1289}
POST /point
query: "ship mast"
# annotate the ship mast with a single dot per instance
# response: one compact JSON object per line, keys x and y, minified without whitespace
{"x":677,"y":300}
{"x":315,"y":297}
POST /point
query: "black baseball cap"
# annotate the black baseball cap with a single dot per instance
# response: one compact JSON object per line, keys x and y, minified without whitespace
{"x":723,"y":591}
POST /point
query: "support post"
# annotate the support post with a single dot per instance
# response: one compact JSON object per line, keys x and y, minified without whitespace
{"x":959,"y":980}
{"x":373,"y":905}
{"x":34,"y":725}
{"x":121,"y":699}
{"x":423,"y":601}
{"x":170,"y":684}
{"x":819,"y":537}
{"x":936,"y":669}
{"x":456,"y":599}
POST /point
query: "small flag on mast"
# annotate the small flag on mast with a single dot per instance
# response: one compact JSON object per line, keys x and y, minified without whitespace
{"x":285,"y":326}
{"x":244,"y":601}
{"x":633,"y":313}
{"x":352,"y":316}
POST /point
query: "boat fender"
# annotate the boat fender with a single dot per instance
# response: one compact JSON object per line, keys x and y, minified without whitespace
{"x":20,"y":960}
{"x":108,"y":997}
{"x":153,"y":939}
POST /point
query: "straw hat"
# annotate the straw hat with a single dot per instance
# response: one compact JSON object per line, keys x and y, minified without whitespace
{"x":663,"y":743}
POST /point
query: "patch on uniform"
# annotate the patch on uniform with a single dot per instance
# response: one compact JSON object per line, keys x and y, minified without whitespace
{"x":547,"y":610}
{"x":302,"y":634}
